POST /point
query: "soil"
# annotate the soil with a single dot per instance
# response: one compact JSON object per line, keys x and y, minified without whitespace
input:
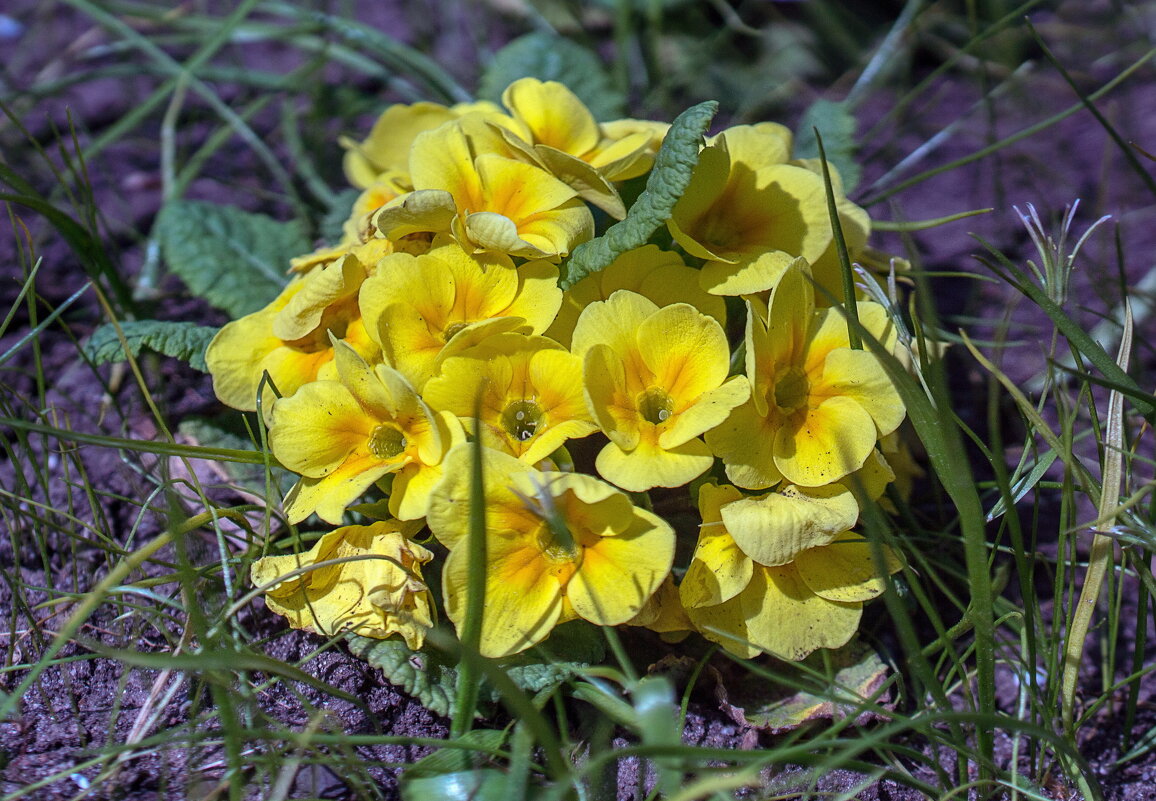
{"x":86,"y":700}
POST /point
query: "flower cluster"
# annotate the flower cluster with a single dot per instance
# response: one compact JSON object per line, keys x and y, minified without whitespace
{"x":438,"y":325}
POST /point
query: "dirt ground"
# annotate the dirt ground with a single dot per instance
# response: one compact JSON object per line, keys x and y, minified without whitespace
{"x":88,"y":700}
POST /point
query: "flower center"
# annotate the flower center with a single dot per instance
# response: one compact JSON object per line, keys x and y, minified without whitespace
{"x":655,"y":406}
{"x":791,"y":390}
{"x":452,"y":330}
{"x":521,"y":419}
{"x":387,"y":442}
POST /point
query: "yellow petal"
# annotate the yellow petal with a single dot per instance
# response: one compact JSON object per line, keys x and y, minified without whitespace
{"x":523,"y":600}
{"x":649,"y":466}
{"x":826,"y":443}
{"x":685,"y":351}
{"x":858,"y":376}
{"x":719,"y":570}
{"x":590,"y":184}
{"x":608,"y":398}
{"x":554,"y":115}
{"x":315,"y":430}
{"x":708,"y":412}
{"x":773,"y":529}
{"x":320,"y":289}
{"x":330,"y":495}
{"x":741,"y":442}
{"x":845,"y":570}
{"x":417,"y":212}
{"x":779,"y":615}
{"x":619,"y":574}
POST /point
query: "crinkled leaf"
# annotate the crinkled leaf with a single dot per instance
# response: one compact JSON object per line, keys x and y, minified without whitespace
{"x":426,"y":676}
{"x":780,"y":708}
{"x":465,"y":785}
{"x":429,"y":678}
{"x":552,"y":58}
{"x":448,"y":760}
{"x":339,"y":211}
{"x":233,"y":259}
{"x":228,"y":432}
{"x":837,"y":126}
{"x":570,"y":649}
{"x":668,"y":180}
{"x":181,"y":340}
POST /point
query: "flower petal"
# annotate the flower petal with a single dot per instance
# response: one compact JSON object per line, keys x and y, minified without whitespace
{"x":845,"y":570}
{"x":774,"y":528}
{"x":648,"y":466}
{"x":719,"y":570}
{"x":619,"y":574}
{"x":825,"y":443}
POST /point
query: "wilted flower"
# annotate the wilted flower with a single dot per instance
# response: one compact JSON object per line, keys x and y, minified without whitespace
{"x":378,"y":595}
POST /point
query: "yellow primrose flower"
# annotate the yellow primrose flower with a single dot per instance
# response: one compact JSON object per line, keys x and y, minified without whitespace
{"x":386,"y":150}
{"x":342,"y":436}
{"x":466,"y":184}
{"x":817,"y":406}
{"x":563,"y":137}
{"x":656,"y":379}
{"x":377,"y":596}
{"x":291,"y":337}
{"x":530,"y":389}
{"x":787,"y":609}
{"x":559,"y":546}
{"x":424,"y":309}
{"x":748,"y":214}
{"x":660,"y":275}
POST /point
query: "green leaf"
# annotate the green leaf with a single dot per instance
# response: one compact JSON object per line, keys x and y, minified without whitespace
{"x":668,"y":179}
{"x":424,"y":675}
{"x":233,"y":259}
{"x":431,"y":679}
{"x":552,"y":58}
{"x":778,"y":708}
{"x":837,"y":126}
{"x":229,"y":432}
{"x":181,"y":340}
{"x":465,"y":785}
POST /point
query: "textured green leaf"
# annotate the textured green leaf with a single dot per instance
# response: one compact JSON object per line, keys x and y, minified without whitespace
{"x":552,"y":58}
{"x":181,"y":340}
{"x":424,"y":675}
{"x":233,"y":259}
{"x":837,"y":126}
{"x":428,"y":677}
{"x":668,"y":180}
{"x":229,"y":432}
{"x":859,"y":673}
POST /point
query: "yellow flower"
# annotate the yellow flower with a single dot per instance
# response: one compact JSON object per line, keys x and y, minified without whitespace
{"x":559,"y":546}
{"x":789,"y":608}
{"x":466,"y":184}
{"x":659,"y":275}
{"x":291,"y":337}
{"x":530,"y":389}
{"x":656,"y":379}
{"x":562,"y":136}
{"x":424,"y":309}
{"x":385,"y":152}
{"x":376,"y":596}
{"x":817,"y":406}
{"x":748,"y":213}
{"x":342,"y":436}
